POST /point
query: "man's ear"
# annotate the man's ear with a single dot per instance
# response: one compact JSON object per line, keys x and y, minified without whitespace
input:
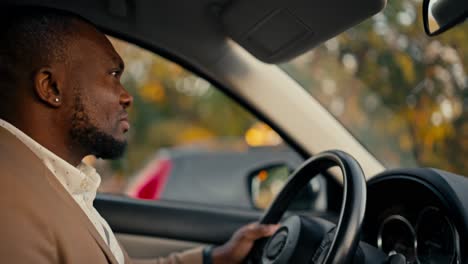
{"x":47,"y":88}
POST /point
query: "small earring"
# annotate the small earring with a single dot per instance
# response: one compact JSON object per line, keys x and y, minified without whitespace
{"x":57,"y":100}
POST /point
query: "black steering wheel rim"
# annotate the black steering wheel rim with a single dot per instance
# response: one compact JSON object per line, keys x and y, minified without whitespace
{"x":346,"y":238}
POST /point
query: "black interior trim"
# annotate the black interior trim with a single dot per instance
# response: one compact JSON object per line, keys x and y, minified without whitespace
{"x":181,"y":220}
{"x":174,"y":220}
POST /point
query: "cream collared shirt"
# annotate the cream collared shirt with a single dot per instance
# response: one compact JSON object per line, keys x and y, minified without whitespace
{"x":81,"y":182}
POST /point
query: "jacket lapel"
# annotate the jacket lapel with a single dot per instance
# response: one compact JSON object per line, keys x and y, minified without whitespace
{"x":16,"y":146}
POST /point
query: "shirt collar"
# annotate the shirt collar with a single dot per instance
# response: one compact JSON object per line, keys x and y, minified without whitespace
{"x":79,"y":180}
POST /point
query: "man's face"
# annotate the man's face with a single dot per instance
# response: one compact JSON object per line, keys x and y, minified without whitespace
{"x":98,"y":100}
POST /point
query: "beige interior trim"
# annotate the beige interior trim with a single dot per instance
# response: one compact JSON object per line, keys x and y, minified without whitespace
{"x":151,"y":247}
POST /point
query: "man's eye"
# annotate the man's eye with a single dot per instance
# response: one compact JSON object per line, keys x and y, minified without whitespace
{"x":115,"y":73}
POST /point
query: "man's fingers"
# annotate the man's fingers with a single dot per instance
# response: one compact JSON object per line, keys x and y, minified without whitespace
{"x":237,"y":248}
{"x":255,"y":231}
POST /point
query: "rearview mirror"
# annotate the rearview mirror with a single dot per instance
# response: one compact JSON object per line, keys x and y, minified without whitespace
{"x":441,"y":15}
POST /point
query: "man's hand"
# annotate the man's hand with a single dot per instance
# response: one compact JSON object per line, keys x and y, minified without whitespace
{"x":240,"y":244}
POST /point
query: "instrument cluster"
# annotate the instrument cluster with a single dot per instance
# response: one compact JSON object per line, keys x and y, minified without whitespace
{"x":409,"y":218}
{"x":432,"y":238}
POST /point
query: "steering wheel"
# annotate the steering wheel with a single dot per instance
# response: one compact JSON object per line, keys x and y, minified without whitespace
{"x":301,"y":240}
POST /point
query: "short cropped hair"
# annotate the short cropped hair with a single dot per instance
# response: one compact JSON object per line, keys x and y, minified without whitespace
{"x":32,"y":37}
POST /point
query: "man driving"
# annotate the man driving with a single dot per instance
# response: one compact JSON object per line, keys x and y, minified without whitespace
{"x":63,"y":100}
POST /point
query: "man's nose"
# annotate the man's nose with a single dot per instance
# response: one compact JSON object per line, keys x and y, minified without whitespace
{"x":126,"y":99}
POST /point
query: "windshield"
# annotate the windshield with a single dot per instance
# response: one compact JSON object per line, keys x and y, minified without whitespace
{"x":402,"y":94}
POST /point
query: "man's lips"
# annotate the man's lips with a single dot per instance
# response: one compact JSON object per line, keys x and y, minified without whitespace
{"x":125,"y":123}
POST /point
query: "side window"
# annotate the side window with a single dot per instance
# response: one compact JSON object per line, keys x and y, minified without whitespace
{"x":188,"y":141}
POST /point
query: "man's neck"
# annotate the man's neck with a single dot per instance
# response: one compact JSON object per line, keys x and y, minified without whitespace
{"x":49,"y":138}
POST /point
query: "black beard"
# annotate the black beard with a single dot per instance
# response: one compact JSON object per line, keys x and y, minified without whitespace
{"x":89,"y":137}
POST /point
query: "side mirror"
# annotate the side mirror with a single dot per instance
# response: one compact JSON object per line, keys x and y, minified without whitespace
{"x":265,"y":183}
{"x":441,"y":15}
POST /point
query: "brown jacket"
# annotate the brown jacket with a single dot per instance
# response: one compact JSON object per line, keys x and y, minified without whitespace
{"x":42,"y":224}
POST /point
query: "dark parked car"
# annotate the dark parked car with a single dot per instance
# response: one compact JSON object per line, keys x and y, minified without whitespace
{"x":216,"y":177}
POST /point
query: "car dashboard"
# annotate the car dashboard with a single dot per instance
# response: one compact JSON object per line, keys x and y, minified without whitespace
{"x":419,"y":213}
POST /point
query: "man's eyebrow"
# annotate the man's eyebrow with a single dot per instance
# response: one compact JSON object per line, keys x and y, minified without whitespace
{"x":119,"y":62}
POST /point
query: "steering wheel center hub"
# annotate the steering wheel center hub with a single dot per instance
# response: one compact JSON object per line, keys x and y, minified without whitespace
{"x":276,"y":244}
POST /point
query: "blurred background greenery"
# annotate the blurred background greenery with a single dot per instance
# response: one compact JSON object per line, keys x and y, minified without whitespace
{"x":402,"y":94}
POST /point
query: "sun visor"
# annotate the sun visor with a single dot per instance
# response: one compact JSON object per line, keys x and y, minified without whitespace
{"x":278,"y":30}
